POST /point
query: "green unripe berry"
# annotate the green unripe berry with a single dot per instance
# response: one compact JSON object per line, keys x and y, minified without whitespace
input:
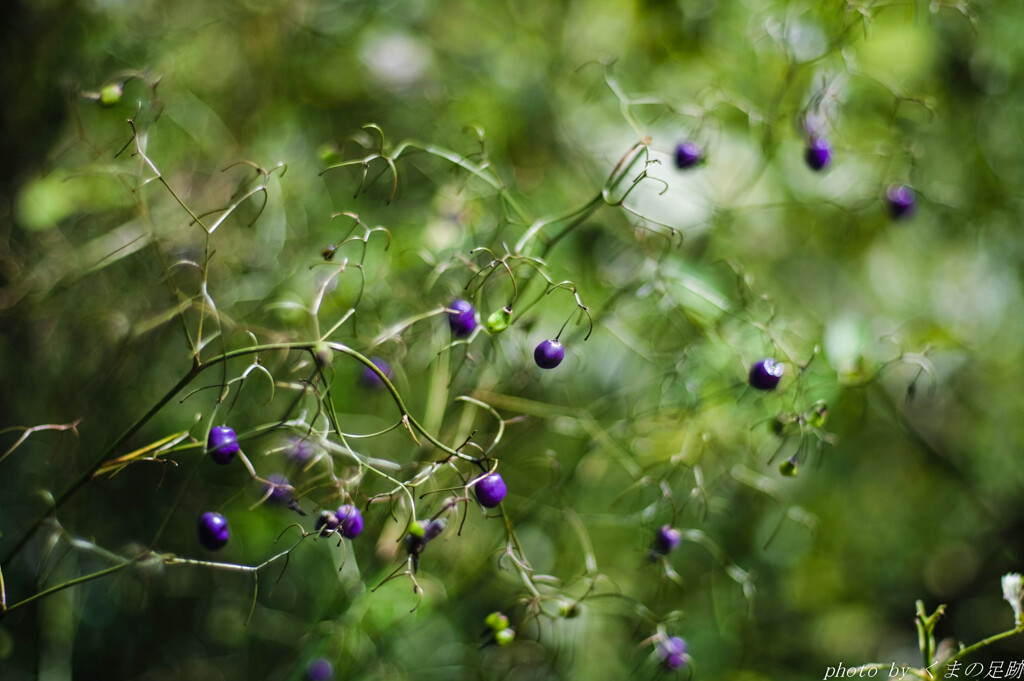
{"x":505,"y":636}
{"x":499,"y":320}
{"x":818,"y":416}
{"x":788,"y":467}
{"x":416,"y":529}
{"x":497,"y":621}
{"x":111,"y":94}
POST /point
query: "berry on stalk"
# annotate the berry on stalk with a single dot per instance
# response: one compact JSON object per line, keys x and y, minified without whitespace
{"x":900,"y":200}
{"x":688,"y":154}
{"x":499,"y":320}
{"x":666,"y":539}
{"x":765,"y":374}
{"x":549,"y":354}
{"x":222,"y":444}
{"x":672,"y":653}
{"x":490,"y":490}
{"x":278,"y":489}
{"x":818,"y":154}
{"x":213,"y":531}
{"x":327,"y":523}
{"x":351,"y":521}
{"x":462,"y":319}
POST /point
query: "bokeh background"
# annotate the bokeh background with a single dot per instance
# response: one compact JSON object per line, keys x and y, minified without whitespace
{"x":908,"y":330}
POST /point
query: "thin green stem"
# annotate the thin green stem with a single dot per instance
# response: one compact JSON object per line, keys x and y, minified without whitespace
{"x":197,"y":368}
{"x":578,"y":215}
{"x":70,"y":583}
{"x":964,"y":652}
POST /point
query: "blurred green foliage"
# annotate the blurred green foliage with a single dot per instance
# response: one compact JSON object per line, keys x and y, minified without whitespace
{"x":909,"y":331}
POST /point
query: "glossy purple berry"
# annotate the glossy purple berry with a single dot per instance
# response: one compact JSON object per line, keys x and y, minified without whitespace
{"x":819,"y":153}
{"x":666,"y":539}
{"x":320,"y":670}
{"x":279,"y":489}
{"x":327,"y":523}
{"x":490,"y":490}
{"x":673,"y":653}
{"x":765,"y":374}
{"x":351,"y":521}
{"x":549,"y":354}
{"x":688,"y":154}
{"x":900,"y":200}
{"x":213,"y":531}
{"x":462,"y":319}
{"x":369,"y":377}
{"x":222,"y":444}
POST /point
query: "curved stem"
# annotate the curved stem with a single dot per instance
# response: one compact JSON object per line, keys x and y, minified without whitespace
{"x":197,"y":368}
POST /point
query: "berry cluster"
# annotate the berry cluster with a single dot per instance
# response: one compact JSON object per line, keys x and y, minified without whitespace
{"x":673,"y":653}
{"x":347,"y":521}
{"x":499,"y":630}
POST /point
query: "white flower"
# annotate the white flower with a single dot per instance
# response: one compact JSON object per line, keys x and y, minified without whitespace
{"x":1013,"y":592}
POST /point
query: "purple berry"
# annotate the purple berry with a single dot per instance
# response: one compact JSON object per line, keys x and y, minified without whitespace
{"x":673,"y":653}
{"x":490,"y":490}
{"x":900,"y":200}
{"x":688,"y":154}
{"x":549,"y":354}
{"x":765,"y":374}
{"x":666,"y":539}
{"x":222,"y":444}
{"x":819,"y":153}
{"x":432,"y":528}
{"x":279,"y":488}
{"x":213,"y":531}
{"x":351,"y":521}
{"x":369,"y":377}
{"x":327,"y":522}
{"x":320,"y":670}
{"x":463,"y":319}
{"x":299,"y":450}
{"x":421,"y":532}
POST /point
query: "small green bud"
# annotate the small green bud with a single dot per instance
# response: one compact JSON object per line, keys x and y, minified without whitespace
{"x":789,"y":467}
{"x":415,"y":529}
{"x":497,"y":621}
{"x":499,"y":320}
{"x":505,"y":636}
{"x":568,"y":609}
{"x":323,"y":354}
{"x":818,"y":416}
{"x":111,"y":94}
{"x":778,"y":425}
